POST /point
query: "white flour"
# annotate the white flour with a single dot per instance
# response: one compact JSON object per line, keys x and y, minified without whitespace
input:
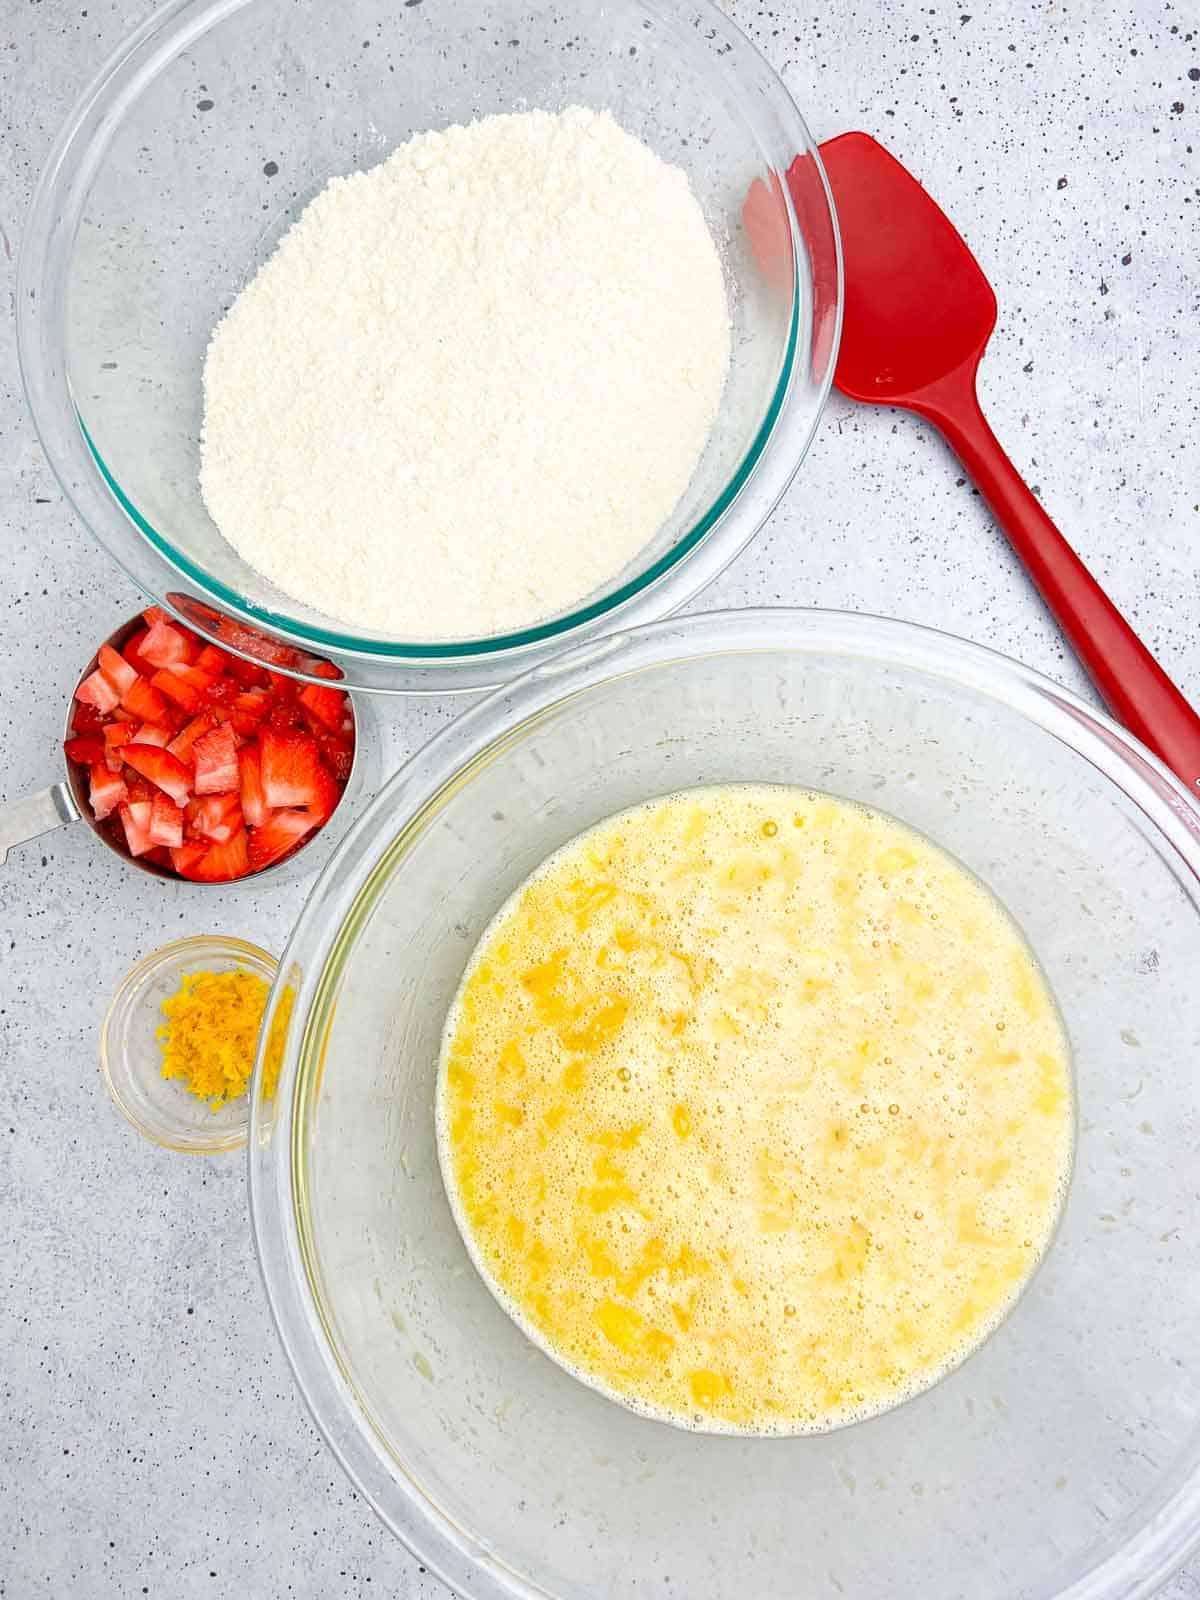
{"x":472,"y":383}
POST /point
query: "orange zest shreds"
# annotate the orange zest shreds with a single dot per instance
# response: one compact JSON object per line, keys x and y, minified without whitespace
{"x":210,"y":1037}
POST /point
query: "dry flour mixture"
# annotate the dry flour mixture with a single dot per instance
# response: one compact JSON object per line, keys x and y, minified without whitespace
{"x":471,"y":383}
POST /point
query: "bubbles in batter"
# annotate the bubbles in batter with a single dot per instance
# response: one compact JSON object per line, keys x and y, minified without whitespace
{"x":754,"y":1109}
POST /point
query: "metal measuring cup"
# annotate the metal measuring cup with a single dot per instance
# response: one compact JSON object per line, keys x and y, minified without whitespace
{"x":67,"y":801}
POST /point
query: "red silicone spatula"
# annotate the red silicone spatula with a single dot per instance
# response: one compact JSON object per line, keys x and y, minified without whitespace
{"x":918,"y":313}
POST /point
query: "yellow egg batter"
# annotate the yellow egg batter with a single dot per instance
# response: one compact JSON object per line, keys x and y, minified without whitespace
{"x":755,"y":1109}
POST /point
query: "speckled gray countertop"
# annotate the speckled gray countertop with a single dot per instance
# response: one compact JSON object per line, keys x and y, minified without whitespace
{"x":151,"y":1439}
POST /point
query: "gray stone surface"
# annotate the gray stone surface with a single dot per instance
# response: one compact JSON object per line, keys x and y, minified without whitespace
{"x":151,"y":1439}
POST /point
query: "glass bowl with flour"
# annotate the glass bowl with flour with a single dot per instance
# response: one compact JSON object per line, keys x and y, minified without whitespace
{"x":430,"y":343}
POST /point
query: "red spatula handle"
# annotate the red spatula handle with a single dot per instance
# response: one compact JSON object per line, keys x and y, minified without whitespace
{"x":1134,"y":686}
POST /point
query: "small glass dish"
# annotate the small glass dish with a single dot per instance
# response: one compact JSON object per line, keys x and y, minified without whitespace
{"x":162,"y":1109}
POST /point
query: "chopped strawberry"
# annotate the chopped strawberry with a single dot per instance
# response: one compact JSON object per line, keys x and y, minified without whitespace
{"x":166,"y":643}
{"x":215,"y":756}
{"x":163,"y":769}
{"x":132,"y":651}
{"x":86,"y":749}
{"x":116,"y":669}
{"x":254,"y":805}
{"x":166,"y":822}
{"x":96,"y":690}
{"x":186,"y":686}
{"x":135,"y":819}
{"x":215,"y":816}
{"x":326,"y":706}
{"x":281,"y":832}
{"x":202,"y":762}
{"x":181,"y":744}
{"x":283,"y":687}
{"x":293,"y":773}
{"x":213,"y":660}
{"x":143,"y":701}
{"x":86,"y":718}
{"x":220,"y":692}
{"x":116,"y":734}
{"x":106,"y":791}
{"x":283,"y":716}
{"x":222,"y":862}
{"x":248,"y":673}
{"x":185,"y":857}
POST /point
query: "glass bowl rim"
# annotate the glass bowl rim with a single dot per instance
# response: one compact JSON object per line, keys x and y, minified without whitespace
{"x":112,"y":1070}
{"x":344,"y":895}
{"x":106,"y":511}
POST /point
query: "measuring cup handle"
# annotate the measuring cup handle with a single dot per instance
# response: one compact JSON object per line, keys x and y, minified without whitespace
{"x":24,"y":819}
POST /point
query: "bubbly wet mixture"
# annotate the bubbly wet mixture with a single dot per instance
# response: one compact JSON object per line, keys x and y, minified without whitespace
{"x":755,"y":1109}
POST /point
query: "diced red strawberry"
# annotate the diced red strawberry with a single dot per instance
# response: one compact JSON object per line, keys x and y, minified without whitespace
{"x":86,"y":749}
{"x":187,"y":855}
{"x":143,"y":701}
{"x":86,"y":718}
{"x":160,"y":857}
{"x":175,"y":690}
{"x":163,"y":769}
{"x":166,"y":643}
{"x":213,"y":660}
{"x":326,"y":706}
{"x":220,"y":692}
{"x":132,"y":651}
{"x":135,"y":819}
{"x":281,"y":832}
{"x":215,"y":756}
{"x":116,"y":734}
{"x":121,"y":715}
{"x":214,"y":816}
{"x":181,"y":744}
{"x":153,"y":614}
{"x":116,"y":669}
{"x":252,"y":703}
{"x":248,"y":673}
{"x":283,"y":716}
{"x":283,"y":687}
{"x":166,"y":822}
{"x":106,"y":791}
{"x":254,"y":805}
{"x":186,"y":686}
{"x":293,"y":773}
{"x":96,"y":690}
{"x":138,"y":788}
{"x":151,"y":733}
{"x":222,"y":862}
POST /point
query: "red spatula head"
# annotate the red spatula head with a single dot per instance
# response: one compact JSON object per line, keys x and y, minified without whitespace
{"x":917,"y":305}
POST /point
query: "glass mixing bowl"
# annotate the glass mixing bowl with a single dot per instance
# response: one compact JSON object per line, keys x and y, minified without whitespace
{"x":218,"y":120}
{"x":1063,"y":1457}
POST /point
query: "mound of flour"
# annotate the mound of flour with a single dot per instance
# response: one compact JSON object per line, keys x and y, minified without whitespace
{"x":471,"y":383}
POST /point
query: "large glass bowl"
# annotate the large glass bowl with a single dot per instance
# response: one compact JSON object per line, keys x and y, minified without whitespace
{"x":218,"y":120}
{"x":1063,"y":1457}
